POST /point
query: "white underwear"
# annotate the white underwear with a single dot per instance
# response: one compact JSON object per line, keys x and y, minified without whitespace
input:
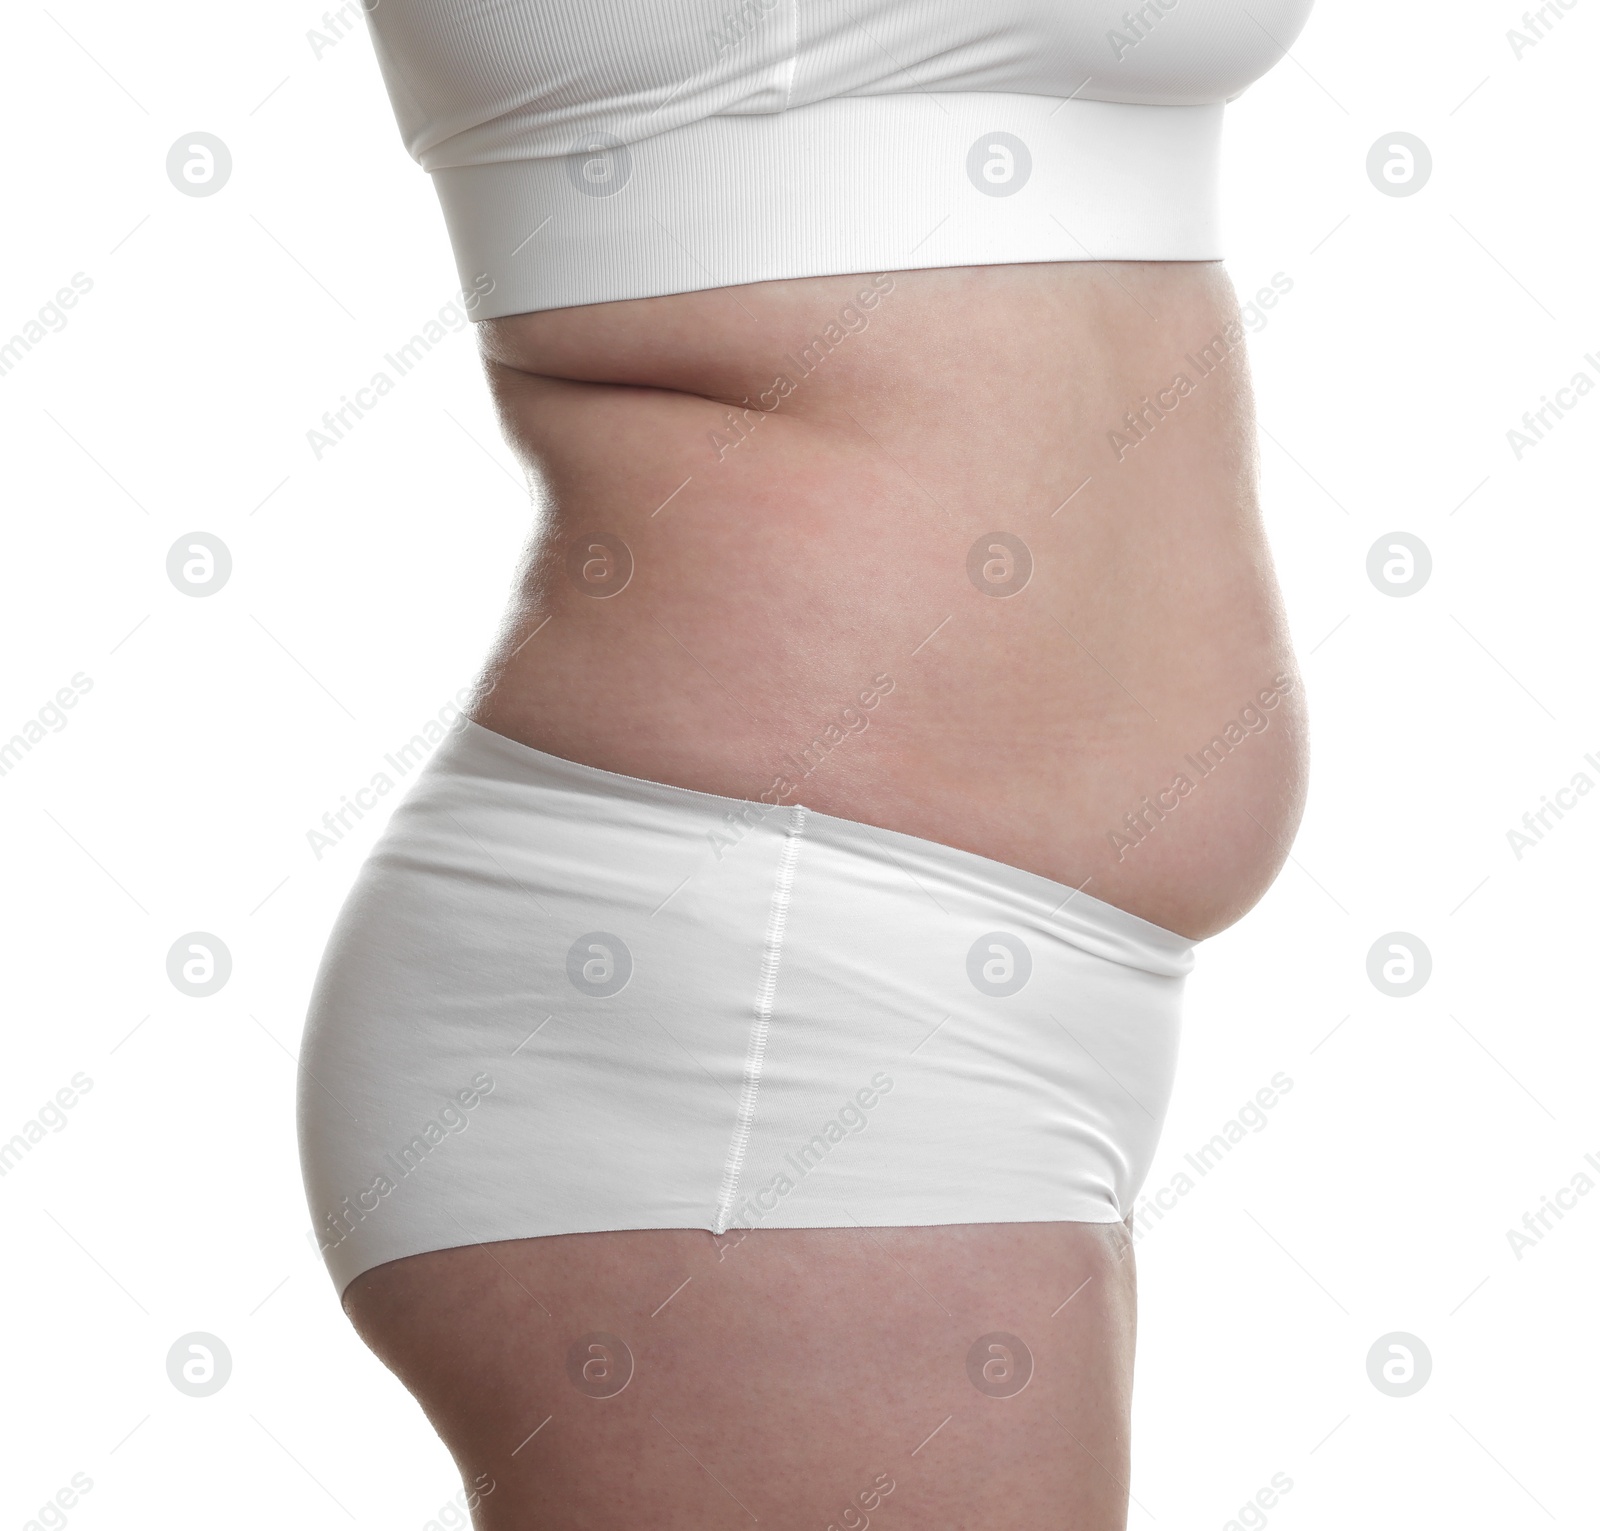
{"x":560,"y":1000}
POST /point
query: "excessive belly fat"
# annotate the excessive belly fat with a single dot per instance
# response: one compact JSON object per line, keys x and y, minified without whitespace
{"x":1015,"y":506}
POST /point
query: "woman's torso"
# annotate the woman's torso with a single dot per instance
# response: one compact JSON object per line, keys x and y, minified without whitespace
{"x":973,"y":553}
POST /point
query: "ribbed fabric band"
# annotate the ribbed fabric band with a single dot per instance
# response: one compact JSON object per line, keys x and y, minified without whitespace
{"x":852,"y":184}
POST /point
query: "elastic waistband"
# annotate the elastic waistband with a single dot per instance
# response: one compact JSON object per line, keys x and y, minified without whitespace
{"x":710,"y":823}
{"x":850,"y":184}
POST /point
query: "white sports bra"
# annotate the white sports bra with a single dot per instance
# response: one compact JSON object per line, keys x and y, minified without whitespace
{"x":591,"y":150}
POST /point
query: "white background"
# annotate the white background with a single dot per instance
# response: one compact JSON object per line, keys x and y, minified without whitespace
{"x":365,"y":588}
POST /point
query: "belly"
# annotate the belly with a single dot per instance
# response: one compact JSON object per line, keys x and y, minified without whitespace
{"x":970,"y":553}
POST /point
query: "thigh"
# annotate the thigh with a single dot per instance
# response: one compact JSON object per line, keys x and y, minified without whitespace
{"x":806,"y":1378}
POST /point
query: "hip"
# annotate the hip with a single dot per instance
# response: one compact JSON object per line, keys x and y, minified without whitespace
{"x":559,"y":1000}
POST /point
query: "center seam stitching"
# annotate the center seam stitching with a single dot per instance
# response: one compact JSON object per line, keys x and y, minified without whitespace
{"x":766,"y":992}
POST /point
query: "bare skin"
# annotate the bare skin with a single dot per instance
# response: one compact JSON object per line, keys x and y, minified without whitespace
{"x":793,"y":1369}
{"x":780,"y":560}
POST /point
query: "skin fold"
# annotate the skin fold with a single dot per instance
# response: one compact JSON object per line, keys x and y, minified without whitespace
{"x":1015,"y":505}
